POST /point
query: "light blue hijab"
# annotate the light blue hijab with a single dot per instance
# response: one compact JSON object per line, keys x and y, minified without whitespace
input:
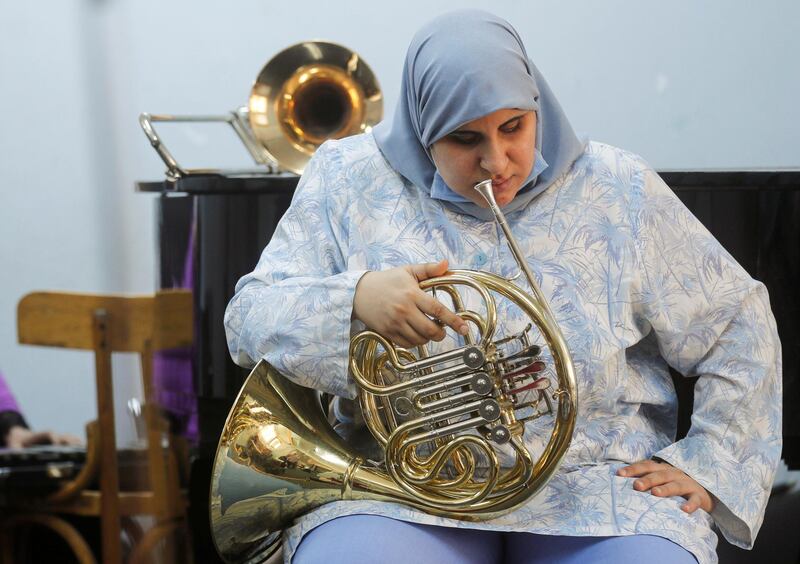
{"x":459,"y":67}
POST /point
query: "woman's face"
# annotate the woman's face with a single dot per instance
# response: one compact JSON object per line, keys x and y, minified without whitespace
{"x":499,"y":146}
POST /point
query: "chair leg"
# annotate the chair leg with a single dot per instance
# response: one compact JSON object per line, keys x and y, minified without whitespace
{"x":66,"y":531}
{"x":109,"y":475}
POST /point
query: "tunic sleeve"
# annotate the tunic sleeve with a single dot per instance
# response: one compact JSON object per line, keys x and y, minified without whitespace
{"x":713,"y":321}
{"x":294,"y":310}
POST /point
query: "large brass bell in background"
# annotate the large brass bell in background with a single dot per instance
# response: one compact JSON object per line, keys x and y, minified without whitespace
{"x":306,"y":94}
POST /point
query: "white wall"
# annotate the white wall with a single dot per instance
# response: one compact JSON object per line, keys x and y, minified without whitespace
{"x":687,"y":84}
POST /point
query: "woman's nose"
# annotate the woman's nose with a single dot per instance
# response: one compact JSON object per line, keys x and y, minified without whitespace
{"x":494,"y":158}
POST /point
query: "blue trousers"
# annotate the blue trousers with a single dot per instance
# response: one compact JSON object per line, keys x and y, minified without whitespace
{"x":367,"y":539}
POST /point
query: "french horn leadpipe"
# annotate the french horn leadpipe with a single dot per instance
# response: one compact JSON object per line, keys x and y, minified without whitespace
{"x":485,"y":189}
{"x":442,"y":424}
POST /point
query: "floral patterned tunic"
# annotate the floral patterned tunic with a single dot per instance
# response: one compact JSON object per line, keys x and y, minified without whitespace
{"x":636,"y":284}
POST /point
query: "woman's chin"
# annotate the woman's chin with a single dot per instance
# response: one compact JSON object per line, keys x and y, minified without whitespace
{"x":504,"y":193}
{"x":505,"y":197}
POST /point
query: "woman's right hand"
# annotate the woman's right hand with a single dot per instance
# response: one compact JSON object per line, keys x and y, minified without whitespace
{"x":390,"y":303}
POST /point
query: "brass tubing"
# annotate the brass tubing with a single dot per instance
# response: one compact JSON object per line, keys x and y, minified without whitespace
{"x":368,"y":385}
{"x":450,"y":429}
{"x":422,"y":393}
{"x":448,"y":401}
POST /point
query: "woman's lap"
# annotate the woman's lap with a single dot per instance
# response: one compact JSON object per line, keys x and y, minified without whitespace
{"x":527,"y":548}
{"x":366,"y":539}
{"x":360,"y":539}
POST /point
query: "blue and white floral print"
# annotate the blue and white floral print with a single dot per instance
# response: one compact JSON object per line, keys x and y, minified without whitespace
{"x":636,"y":283}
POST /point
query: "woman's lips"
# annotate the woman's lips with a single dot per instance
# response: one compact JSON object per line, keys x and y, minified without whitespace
{"x":500,"y":183}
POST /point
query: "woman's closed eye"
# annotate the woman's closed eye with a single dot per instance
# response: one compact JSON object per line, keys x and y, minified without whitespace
{"x":465,"y":137}
{"x":512,"y":126}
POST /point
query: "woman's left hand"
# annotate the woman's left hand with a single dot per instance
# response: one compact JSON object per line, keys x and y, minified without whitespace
{"x":664,"y":480}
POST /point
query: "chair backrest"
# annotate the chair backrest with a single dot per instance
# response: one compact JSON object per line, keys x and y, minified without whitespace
{"x":107,"y":324}
{"x":63,"y":319}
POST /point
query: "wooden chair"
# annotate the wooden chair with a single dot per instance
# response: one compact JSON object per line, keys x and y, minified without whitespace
{"x":105,"y":324}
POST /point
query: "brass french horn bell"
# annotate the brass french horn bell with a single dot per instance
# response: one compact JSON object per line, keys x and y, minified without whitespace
{"x":308,"y":93}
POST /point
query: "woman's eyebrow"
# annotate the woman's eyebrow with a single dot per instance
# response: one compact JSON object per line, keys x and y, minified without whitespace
{"x":505,"y":123}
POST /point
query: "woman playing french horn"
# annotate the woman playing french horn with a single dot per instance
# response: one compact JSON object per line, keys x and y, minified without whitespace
{"x":634,"y":281}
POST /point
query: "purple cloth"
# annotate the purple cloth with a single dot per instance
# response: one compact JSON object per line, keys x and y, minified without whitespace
{"x":173,"y":379}
{"x":10,"y":415}
{"x":7,"y":400}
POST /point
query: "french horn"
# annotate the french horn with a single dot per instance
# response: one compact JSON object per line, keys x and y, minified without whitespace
{"x":306,"y":94}
{"x":450,"y":424}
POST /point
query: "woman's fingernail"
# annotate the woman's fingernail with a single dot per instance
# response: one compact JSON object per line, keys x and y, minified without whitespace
{"x":622,"y":472}
{"x":464,"y":330}
{"x":638,"y":484}
{"x":657,"y":491}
